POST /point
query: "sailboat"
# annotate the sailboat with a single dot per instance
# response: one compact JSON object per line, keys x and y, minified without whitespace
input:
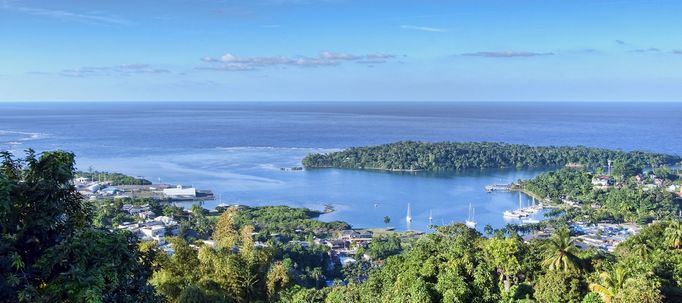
{"x":520,"y":212}
{"x":408,"y":218}
{"x":470,"y":222}
{"x":430,"y":217}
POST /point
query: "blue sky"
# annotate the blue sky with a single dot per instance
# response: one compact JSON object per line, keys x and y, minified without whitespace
{"x":271,"y":50}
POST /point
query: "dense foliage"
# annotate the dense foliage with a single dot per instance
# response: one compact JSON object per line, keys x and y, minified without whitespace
{"x":456,"y":264}
{"x":113,"y":178}
{"x":290,"y":223}
{"x":49,"y":250}
{"x":625,"y":200}
{"x":409,"y":155}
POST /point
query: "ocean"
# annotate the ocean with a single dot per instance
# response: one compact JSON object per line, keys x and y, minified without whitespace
{"x":237,"y":149}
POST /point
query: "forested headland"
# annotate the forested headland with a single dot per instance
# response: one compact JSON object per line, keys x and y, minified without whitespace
{"x":411,"y":155}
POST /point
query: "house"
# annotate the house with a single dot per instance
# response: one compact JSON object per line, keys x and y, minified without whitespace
{"x":354,"y":236}
{"x":166,"y":220}
{"x":345,"y":261}
{"x":601,"y":181}
{"x":134,"y":210}
{"x":155,"y":231}
{"x":639,"y":178}
{"x":335,"y":244}
{"x":147,"y":215}
{"x":180,"y":192}
{"x":126,"y":207}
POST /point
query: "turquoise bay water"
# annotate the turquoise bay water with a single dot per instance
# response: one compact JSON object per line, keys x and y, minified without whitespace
{"x":237,"y":149}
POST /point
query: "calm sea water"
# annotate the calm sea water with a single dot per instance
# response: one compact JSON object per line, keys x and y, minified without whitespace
{"x":237,"y":149}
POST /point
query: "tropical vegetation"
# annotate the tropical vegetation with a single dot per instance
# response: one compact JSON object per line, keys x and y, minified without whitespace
{"x":411,"y":155}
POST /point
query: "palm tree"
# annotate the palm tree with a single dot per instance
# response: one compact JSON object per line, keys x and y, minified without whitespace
{"x":673,"y":235}
{"x":641,"y":247}
{"x":609,"y":284}
{"x":561,"y":253}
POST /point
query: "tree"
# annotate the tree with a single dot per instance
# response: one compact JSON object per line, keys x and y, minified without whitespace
{"x":559,"y":287}
{"x":195,"y":294}
{"x":639,"y":290}
{"x":317,"y":275}
{"x":641,"y":247}
{"x":673,"y":234}
{"x":505,"y":254}
{"x":561,"y":254}
{"x":225,"y":233}
{"x":592,"y":297}
{"x":488,"y":229}
{"x":383,"y":247}
{"x":277,"y":278}
{"x":49,"y":250}
{"x":610,"y":283}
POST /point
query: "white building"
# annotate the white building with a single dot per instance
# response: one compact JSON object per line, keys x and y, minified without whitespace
{"x":180,"y":192}
{"x":154,"y":232}
{"x":166,"y":220}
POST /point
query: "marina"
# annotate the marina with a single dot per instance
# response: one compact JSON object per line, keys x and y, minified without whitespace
{"x":522,"y":212}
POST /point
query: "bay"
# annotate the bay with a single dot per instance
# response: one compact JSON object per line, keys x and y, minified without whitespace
{"x":237,"y":149}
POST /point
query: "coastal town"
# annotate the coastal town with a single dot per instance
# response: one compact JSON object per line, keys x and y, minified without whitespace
{"x":585,"y":217}
{"x":348,"y":246}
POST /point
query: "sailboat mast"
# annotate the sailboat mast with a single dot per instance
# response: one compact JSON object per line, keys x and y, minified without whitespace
{"x":409,"y":213}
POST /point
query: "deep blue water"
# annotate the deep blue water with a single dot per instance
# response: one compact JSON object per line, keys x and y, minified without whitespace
{"x":236,"y":149}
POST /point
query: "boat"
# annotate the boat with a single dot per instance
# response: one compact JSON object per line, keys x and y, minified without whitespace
{"x":430,"y":218}
{"x":470,"y":222}
{"x":520,"y":212}
{"x":408,"y":218}
{"x":511,"y":214}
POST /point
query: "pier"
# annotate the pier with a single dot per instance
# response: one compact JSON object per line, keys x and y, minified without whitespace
{"x":498,"y":187}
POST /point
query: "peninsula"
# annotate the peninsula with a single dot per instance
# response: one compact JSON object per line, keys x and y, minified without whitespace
{"x":414,"y":156}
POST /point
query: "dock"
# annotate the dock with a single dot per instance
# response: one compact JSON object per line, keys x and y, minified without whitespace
{"x":498,"y":187}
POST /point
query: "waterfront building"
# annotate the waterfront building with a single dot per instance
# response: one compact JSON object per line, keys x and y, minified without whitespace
{"x":180,"y":192}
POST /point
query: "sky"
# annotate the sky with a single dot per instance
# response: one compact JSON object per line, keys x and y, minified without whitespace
{"x":338,"y":50}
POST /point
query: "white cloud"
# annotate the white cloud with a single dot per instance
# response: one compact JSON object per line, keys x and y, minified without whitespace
{"x":65,"y":15}
{"x":117,"y":70}
{"x":231,"y":62}
{"x":506,"y":54}
{"x":339,"y":56}
{"x":424,"y":28}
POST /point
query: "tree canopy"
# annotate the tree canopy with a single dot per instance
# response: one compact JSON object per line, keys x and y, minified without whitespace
{"x":50,"y":251}
{"x":410,"y":155}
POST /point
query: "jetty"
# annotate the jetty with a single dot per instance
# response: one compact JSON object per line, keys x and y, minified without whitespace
{"x":498,"y":187}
